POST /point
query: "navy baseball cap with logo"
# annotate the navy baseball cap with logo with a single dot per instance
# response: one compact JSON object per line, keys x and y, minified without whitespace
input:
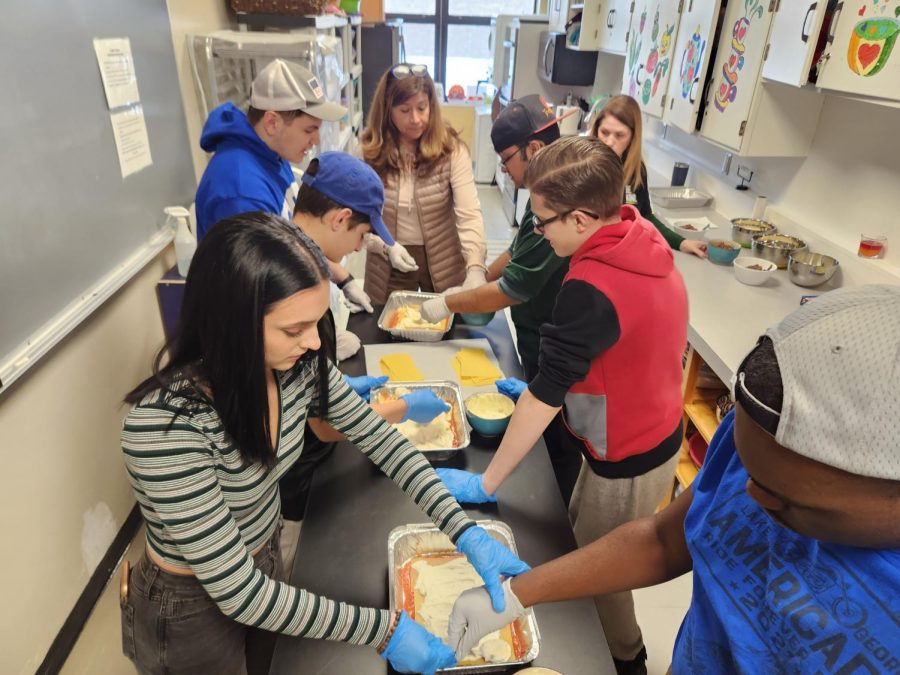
{"x":353,"y":184}
{"x":522,"y":119}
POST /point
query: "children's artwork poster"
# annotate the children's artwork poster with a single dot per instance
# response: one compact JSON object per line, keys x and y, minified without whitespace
{"x":727,"y":90}
{"x":644,"y":77}
{"x":691,"y":58}
{"x":873,"y":37}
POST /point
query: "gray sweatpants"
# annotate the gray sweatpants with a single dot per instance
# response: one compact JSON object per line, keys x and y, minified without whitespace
{"x":598,"y":506}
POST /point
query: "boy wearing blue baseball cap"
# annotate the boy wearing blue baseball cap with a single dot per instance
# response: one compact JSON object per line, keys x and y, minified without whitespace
{"x":340,"y":201}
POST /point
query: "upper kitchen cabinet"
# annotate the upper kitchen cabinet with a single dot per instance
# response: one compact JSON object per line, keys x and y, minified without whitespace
{"x":696,"y":36}
{"x":794,"y":43}
{"x":615,"y":26}
{"x":741,"y":112}
{"x":649,"y":53}
{"x":858,"y":57}
{"x":581,"y":21}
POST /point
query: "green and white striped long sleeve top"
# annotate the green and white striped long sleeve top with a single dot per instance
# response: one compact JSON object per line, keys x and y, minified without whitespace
{"x":206,"y":509}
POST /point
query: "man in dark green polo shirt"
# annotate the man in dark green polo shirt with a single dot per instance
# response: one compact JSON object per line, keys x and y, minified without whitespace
{"x":526,"y":277}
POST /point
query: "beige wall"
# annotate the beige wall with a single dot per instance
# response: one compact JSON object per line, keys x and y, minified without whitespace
{"x":65,"y":494}
{"x":189,"y":17}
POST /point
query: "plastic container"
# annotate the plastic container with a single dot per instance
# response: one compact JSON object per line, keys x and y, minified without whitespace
{"x":179,"y":219}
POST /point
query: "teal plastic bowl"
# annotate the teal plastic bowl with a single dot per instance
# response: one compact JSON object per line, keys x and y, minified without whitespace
{"x":495,"y":409}
{"x":482,"y":319}
{"x":722,"y":256}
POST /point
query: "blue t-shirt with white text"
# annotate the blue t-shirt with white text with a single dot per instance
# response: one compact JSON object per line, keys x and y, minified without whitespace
{"x":768,"y":600}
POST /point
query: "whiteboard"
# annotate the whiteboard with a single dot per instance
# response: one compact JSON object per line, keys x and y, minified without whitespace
{"x":73,"y":230}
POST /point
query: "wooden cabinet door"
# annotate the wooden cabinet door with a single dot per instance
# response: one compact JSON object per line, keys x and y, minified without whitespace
{"x":792,"y":43}
{"x":615,"y":26}
{"x":863,"y":57}
{"x":558,"y":12}
{"x":737,"y":66}
{"x":649,"y":56}
{"x":696,"y":33}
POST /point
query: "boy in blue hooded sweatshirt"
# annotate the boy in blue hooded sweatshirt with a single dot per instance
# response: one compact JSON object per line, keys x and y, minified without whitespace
{"x":251,"y":167}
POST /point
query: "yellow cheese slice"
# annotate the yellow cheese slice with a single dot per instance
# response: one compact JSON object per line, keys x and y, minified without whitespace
{"x":474,"y":368}
{"x":400,"y":368}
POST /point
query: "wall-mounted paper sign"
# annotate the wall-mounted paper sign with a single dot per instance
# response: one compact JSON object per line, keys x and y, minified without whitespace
{"x":132,"y":142}
{"x":117,"y":71}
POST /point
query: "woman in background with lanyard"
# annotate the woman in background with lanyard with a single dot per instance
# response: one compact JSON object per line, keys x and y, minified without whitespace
{"x":209,"y":437}
{"x":425,"y":168}
{"x":618,"y":125}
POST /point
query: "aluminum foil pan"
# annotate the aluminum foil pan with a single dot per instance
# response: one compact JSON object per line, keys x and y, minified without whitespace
{"x":408,"y":541}
{"x":445,"y":389}
{"x":399,"y":299}
{"x":679,"y":197}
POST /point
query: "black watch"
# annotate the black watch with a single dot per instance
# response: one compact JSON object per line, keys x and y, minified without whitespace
{"x":345,"y":281}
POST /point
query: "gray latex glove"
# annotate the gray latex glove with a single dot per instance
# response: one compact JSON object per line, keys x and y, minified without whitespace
{"x":357,"y":298}
{"x":475,"y":277}
{"x":347,"y":344}
{"x":400,"y":258}
{"x":435,"y":309}
{"x":473,"y":617}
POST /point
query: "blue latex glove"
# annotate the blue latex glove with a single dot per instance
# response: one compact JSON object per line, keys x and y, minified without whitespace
{"x":423,"y":405}
{"x":412,"y":649}
{"x":465,"y":486}
{"x":364,"y":384}
{"x":490,"y":559}
{"x":512,"y":387}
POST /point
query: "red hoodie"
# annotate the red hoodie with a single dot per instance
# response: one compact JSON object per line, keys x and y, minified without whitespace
{"x":612,"y":356}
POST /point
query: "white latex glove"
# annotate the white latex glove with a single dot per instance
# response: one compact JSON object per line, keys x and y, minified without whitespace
{"x":400,"y":258}
{"x":358,"y":299}
{"x":435,"y":309}
{"x":475,"y":277}
{"x":473,"y":617}
{"x":347,"y":344}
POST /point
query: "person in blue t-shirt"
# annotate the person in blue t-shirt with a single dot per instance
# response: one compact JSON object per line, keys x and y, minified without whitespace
{"x":792,"y":527}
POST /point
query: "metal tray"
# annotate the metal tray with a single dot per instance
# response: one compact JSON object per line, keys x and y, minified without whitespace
{"x":679,"y":197}
{"x":407,"y":541}
{"x":399,"y":299}
{"x":451,"y":393}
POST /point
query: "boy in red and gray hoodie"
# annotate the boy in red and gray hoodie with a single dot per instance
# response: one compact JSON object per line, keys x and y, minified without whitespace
{"x":610,"y":360}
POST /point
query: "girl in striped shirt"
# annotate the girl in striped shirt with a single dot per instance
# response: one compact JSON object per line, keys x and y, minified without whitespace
{"x":207,"y":440}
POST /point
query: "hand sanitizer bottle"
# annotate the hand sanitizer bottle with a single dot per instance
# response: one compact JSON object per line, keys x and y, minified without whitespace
{"x":179,"y":219}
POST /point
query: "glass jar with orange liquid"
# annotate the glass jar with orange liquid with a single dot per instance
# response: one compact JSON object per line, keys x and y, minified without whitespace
{"x":872,"y":246}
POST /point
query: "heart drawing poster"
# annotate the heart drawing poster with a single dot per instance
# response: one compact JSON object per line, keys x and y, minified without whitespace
{"x":873,"y":38}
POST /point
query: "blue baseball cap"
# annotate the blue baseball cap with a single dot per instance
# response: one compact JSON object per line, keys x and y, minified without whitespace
{"x":353,"y":184}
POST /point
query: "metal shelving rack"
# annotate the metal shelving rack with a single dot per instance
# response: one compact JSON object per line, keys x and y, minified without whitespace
{"x":225,"y":63}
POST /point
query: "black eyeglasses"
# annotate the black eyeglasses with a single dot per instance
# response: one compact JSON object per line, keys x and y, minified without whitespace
{"x":519,"y":150}
{"x":539,"y":224}
{"x":403,"y":70}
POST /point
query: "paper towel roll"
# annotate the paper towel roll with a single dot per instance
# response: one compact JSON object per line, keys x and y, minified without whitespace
{"x":569,"y":117}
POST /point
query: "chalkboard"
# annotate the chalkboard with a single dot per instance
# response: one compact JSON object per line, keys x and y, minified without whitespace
{"x":72,"y":229}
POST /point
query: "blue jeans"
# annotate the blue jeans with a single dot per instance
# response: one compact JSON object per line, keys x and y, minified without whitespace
{"x":170,"y":625}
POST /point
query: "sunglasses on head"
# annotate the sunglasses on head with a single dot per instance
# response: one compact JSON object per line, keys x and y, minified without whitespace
{"x":403,"y":70}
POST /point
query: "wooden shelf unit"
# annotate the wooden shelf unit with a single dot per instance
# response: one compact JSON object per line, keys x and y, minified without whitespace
{"x":700,"y":410}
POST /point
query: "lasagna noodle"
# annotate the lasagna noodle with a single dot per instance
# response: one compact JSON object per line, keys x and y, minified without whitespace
{"x":435,"y":584}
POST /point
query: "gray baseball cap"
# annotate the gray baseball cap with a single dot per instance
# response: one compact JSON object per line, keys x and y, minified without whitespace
{"x":839,"y":357}
{"x":283,"y":86}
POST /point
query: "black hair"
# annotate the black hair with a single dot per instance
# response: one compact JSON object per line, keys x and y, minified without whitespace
{"x":762,"y":375}
{"x":254,"y":115}
{"x":242,"y":267}
{"x":314,"y":203}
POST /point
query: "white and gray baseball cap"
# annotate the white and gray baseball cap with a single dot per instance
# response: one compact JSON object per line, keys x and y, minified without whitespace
{"x":839,"y":358}
{"x":283,"y":86}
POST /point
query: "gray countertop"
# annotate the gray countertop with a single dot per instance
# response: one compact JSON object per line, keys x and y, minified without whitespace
{"x":342,"y":551}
